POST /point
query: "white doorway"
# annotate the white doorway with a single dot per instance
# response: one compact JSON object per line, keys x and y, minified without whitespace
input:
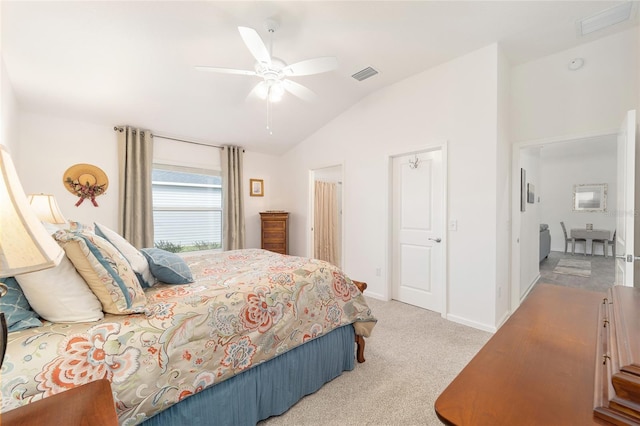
{"x":525,"y":228}
{"x":418,"y":216}
{"x":326,"y":215}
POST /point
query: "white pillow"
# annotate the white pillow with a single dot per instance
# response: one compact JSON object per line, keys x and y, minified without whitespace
{"x":60,"y":294}
{"x":136,"y":259}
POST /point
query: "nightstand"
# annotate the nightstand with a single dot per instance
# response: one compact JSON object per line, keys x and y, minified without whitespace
{"x":90,"y":404}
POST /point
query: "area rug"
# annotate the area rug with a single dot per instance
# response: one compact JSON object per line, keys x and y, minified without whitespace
{"x":581,"y":268}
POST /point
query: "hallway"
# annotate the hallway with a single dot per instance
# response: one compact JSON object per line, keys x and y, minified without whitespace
{"x":600,"y":279}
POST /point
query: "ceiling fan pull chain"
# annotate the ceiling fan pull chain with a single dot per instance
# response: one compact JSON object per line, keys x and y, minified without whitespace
{"x":269,"y":111}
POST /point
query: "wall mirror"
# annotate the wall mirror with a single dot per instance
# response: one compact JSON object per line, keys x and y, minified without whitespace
{"x":590,"y":197}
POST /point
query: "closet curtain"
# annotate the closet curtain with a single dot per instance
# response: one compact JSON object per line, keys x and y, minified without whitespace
{"x":135,"y":164}
{"x":232,"y":200}
{"x":325,"y":222}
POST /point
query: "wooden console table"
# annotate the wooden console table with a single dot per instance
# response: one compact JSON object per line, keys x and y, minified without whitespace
{"x":538,"y":369}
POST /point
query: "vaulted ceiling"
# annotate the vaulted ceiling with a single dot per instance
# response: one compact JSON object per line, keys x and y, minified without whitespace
{"x":133,"y":62}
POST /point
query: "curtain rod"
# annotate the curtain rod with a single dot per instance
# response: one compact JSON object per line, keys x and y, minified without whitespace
{"x":185,"y":141}
{"x":120,"y":129}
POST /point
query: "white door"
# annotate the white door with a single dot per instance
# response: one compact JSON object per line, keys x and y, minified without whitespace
{"x":417,"y":249}
{"x":626,"y":200}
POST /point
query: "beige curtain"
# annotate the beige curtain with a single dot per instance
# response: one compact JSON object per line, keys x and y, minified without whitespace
{"x":325,"y":224}
{"x":232,"y":198}
{"x":135,"y":158}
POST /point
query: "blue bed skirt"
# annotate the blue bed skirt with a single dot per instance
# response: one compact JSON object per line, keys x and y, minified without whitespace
{"x":267,"y":389}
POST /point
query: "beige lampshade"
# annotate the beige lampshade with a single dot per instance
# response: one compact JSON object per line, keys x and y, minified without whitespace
{"x":25,"y":246}
{"x":46,"y":208}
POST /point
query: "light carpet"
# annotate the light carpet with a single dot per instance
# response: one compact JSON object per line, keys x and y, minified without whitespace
{"x":411,"y":357}
{"x":581,"y":268}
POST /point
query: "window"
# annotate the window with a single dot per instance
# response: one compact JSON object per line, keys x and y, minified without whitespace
{"x":187,"y":208}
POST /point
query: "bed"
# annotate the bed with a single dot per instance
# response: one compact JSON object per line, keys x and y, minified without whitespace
{"x":252,"y":334}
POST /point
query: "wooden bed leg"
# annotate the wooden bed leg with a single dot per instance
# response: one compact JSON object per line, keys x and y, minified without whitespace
{"x":359,"y":339}
{"x":360,"y":349}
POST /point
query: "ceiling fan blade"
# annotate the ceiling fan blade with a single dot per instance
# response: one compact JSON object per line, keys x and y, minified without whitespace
{"x":299,"y":90}
{"x":226,"y":70}
{"x":311,"y":66}
{"x":257,"y":92}
{"x":255,"y":45}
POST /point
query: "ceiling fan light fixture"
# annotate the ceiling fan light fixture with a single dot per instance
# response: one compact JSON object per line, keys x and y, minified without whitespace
{"x":272,"y":90}
{"x":276,"y":91}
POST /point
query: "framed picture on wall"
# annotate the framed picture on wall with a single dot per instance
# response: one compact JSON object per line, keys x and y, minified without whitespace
{"x":523,"y":190}
{"x":590,"y":197}
{"x":256,"y":187}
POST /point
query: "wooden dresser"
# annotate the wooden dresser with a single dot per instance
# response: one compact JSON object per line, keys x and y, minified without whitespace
{"x":537,"y":369}
{"x":84,"y":405}
{"x":275,"y":231}
{"x":617,"y":387}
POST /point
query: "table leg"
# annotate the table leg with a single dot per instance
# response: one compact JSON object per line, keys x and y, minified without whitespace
{"x":573,"y":246}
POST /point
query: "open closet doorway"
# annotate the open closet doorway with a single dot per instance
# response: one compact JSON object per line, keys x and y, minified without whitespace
{"x":326,"y":235}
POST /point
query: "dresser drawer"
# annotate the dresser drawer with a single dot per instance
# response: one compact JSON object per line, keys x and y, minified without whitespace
{"x":278,"y":248}
{"x":278,"y":235}
{"x":272,"y":225}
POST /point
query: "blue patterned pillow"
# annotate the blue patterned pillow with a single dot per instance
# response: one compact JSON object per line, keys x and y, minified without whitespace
{"x":167,"y":267}
{"x":16,"y":308}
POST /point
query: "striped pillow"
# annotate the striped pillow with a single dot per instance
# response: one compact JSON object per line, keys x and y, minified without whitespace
{"x":106,"y":271}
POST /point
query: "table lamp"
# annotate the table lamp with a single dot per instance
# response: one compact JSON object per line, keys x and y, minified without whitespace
{"x":46,"y":208}
{"x":25,"y":245}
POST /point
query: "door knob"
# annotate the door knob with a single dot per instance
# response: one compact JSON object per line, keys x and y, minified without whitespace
{"x":437,"y":240}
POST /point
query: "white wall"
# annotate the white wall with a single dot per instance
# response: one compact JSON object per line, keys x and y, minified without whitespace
{"x":265,"y":167}
{"x":8,"y":113}
{"x":503,"y":191}
{"x":548,"y":100}
{"x":529,"y":222}
{"x":583,"y":162}
{"x":49,"y":145}
{"x":455,"y":102}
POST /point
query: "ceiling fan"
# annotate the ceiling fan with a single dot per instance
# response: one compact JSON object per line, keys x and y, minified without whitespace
{"x":274,"y":72}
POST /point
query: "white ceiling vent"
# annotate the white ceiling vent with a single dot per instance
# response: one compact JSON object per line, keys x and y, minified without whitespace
{"x":365,"y":73}
{"x":606,"y":18}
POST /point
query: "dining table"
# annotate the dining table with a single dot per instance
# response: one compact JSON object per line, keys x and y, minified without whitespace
{"x":589,"y":235}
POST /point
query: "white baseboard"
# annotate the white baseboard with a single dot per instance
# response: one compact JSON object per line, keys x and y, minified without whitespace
{"x":376,"y":296}
{"x":529,"y":288}
{"x":474,"y":324}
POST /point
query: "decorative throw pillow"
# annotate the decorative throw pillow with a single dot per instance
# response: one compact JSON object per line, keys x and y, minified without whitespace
{"x":16,"y":309}
{"x":168,"y":267}
{"x":59,"y":294}
{"x":75,"y":226}
{"x":136,"y":259}
{"x":106,"y":271}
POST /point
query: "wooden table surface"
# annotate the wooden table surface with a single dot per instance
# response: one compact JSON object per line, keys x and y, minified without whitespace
{"x":538,"y":369}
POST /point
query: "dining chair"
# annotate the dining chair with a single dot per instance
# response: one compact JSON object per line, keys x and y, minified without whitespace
{"x":605,"y":245}
{"x":573,"y":241}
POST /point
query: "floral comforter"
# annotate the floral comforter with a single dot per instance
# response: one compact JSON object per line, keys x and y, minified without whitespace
{"x":245,"y":307}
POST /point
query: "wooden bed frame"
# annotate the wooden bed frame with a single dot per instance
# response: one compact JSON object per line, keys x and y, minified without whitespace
{"x":362,"y":286}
